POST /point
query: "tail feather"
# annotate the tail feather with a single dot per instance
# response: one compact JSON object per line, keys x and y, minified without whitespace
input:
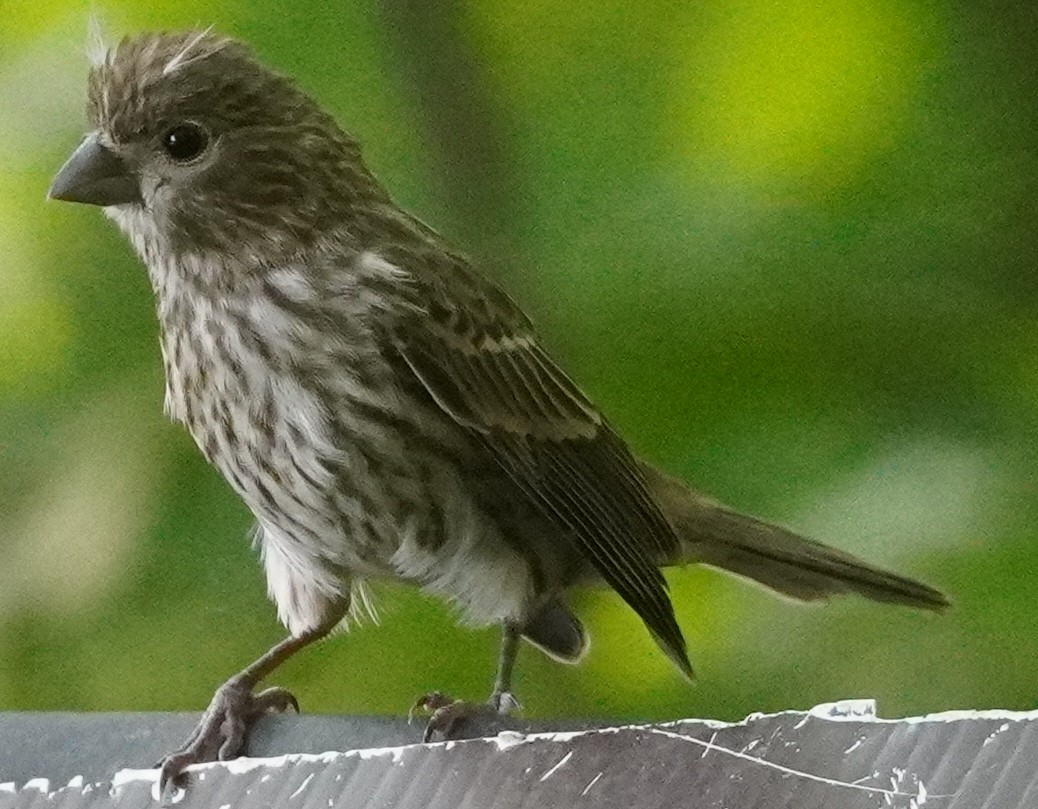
{"x":790,"y":564}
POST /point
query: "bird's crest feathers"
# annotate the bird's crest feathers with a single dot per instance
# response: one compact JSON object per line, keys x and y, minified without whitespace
{"x":184,"y":55}
{"x":97,"y":44}
{"x":123,"y":75}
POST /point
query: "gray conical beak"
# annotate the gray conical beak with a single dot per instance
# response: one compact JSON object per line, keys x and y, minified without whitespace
{"x":95,"y":175}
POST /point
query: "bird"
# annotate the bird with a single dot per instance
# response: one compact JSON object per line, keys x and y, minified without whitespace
{"x":384,"y":409}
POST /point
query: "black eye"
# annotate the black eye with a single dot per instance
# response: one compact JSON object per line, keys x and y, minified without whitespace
{"x":185,"y":142}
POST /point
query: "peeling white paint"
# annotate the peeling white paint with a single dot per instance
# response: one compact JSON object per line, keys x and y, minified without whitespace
{"x":507,"y":739}
{"x":902,"y":784}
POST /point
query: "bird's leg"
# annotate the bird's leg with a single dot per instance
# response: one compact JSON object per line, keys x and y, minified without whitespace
{"x":501,"y":700}
{"x":447,"y":714}
{"x":220,"y":733}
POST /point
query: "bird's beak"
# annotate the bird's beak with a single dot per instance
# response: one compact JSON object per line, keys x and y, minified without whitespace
{"x":95,"y":175}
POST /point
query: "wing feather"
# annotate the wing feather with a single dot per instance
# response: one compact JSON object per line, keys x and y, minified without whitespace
{"x":486,"y":369}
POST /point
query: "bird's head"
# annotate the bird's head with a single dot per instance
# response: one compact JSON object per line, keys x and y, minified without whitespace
{"x":198,"y":146}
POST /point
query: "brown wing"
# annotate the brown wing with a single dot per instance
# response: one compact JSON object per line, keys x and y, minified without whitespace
{"x":478,"y":357}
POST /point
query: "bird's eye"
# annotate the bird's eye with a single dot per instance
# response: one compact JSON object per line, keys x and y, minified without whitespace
{"x":185,"y":142}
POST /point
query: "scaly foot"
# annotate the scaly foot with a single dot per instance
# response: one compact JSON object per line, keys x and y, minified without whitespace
{"x":220,"y":734}
{"x":447,"y":715}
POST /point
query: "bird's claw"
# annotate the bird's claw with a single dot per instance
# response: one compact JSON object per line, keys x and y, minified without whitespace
{"x":446,"y":715}
{"x":428,"y":704}
{"x":220,"y":733}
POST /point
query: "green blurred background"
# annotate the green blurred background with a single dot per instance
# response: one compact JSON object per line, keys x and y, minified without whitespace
{"x":788,"y":246}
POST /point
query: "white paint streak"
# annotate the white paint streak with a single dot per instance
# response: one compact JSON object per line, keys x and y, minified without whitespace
{"x":887,"y":793}
{"x":554,"y":769}
{"x":959,"y":716}
{"x":855,"y":746}
{"x":591,"y":783}
{"x":302,"y":786}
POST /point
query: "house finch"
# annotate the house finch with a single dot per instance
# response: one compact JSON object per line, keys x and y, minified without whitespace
{"x":384,"y":409}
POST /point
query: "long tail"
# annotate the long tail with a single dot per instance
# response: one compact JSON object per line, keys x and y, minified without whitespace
{"x":714,"y":535}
